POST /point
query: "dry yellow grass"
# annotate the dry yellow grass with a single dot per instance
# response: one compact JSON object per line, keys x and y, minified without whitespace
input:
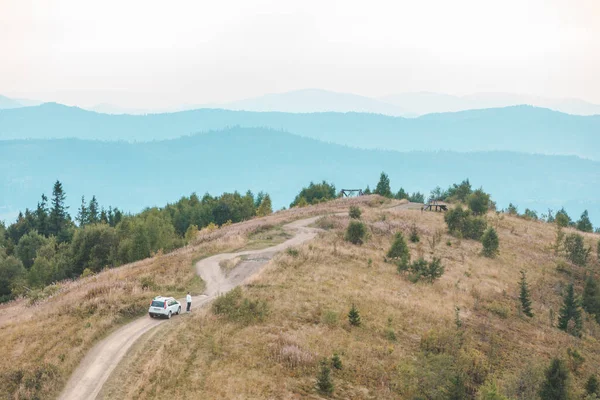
{"x":42,"y":343}
{"x":310,"y":293}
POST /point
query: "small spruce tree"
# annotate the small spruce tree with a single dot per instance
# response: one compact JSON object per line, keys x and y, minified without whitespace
{"x":336,"y":361}
{"x":356,"y":232}
{"x":456,"y":389}
{"x":58,"y":216}
{"x":399,"y":251}
{"x":575,"y":249}
{"x":93,"y":211}
{"x":41,"y":214}
{"x":82,"y":213}
{"x":383,"y":186}
{"x":489,"y":391}
{"x":414,"y":233}
{"x":524,"y":296}
{"x":562,"y":218}
{"x":512,"y":209}
{"x":591,"y":297}
{"x":355,"y":212}
{"x":556,"y":385}
{"x":354,"y":316}
{"x":324,"y":383}
{"x":401,"y":194}
{"x":569,"y":319}
{"x":592,"y":386}
{"x":490,"y":242}
{"x":584,"y":224}
{"x":559,"y":240}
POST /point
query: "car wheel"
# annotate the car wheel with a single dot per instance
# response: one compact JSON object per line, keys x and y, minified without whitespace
{"x":179,"y":310}
{"x":169,"y":316}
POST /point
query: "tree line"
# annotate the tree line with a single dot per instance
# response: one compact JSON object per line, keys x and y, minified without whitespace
{"x":47,"y":245}
{"x":316,"y":193}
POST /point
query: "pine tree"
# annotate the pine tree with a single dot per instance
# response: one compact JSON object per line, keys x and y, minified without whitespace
{"x":93,"y":212}
{"x":103,"y":216}
{"x":556,"y":385}
{"x":383,"y":186}
{"x":399,"y":251}
{"x":414,"y":233}
{"x":336,"y":362}
{"x":118,"y":216}
{"x":401,"y":194}
{"x":110,"y":216}
{"x":265,"y":207}
{"x":82,"y":213}
{"x":591,"y":297}
{"x":569,"y":319}
{"x":490,"y":242}
{"x":512,"y":209}
{"x":356,"y":232}
{"x":41,"y":214}
{"x":456,"y":389}
{"x":592,"y":386}
{"x":58,"y":211}
{"x":354,"y":316}
{"x":525,"y":296}
{"x":355,"y":212}
{"x":575,"y":249}
{"x":367,"y":190}
{"x":584,"y":224}
{"x":324,"y":383}
{"x":489,"y":391}
{"x":562,"y":218}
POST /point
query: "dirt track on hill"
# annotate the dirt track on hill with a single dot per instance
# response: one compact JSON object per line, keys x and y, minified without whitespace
{"x":93,"y":371}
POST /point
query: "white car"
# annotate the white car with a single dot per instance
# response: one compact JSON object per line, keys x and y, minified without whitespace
{"x":164,"y":307}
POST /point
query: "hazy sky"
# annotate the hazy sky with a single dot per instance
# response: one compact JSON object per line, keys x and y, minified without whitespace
{"x":150,"y":53}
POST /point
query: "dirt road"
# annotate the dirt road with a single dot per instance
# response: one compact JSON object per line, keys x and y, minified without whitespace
{"x":89,"y":377}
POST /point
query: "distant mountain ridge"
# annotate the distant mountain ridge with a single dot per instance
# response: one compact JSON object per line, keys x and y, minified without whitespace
{"x":135,"y":175}
{"x":521,"y":128}
{"x":7,"y":103}
{"x":315,"y":100}
{"x":410,"y":104}
{"x":421,"y":103}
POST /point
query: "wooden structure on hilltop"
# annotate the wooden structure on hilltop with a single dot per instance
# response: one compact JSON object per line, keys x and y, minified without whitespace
{"x":350,"y":192}
{"x":434,"y":206}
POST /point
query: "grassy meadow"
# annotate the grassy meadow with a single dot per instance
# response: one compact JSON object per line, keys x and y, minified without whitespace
{"x":415,"y":339}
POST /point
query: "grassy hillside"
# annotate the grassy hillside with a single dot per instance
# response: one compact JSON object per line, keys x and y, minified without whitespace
{"x":409,"y":345}
{"x":45,"y":338}
{"x":279,"y":163}
{"x":519,"y":128}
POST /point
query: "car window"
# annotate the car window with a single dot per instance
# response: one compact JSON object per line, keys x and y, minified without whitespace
{"x":157,"y":303}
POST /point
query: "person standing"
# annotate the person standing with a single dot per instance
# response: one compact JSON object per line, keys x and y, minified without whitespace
{"x":188,"y":298}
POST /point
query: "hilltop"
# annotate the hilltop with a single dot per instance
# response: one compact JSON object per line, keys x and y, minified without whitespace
{"x":520,"y":128}
{"x":414,"y":338}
